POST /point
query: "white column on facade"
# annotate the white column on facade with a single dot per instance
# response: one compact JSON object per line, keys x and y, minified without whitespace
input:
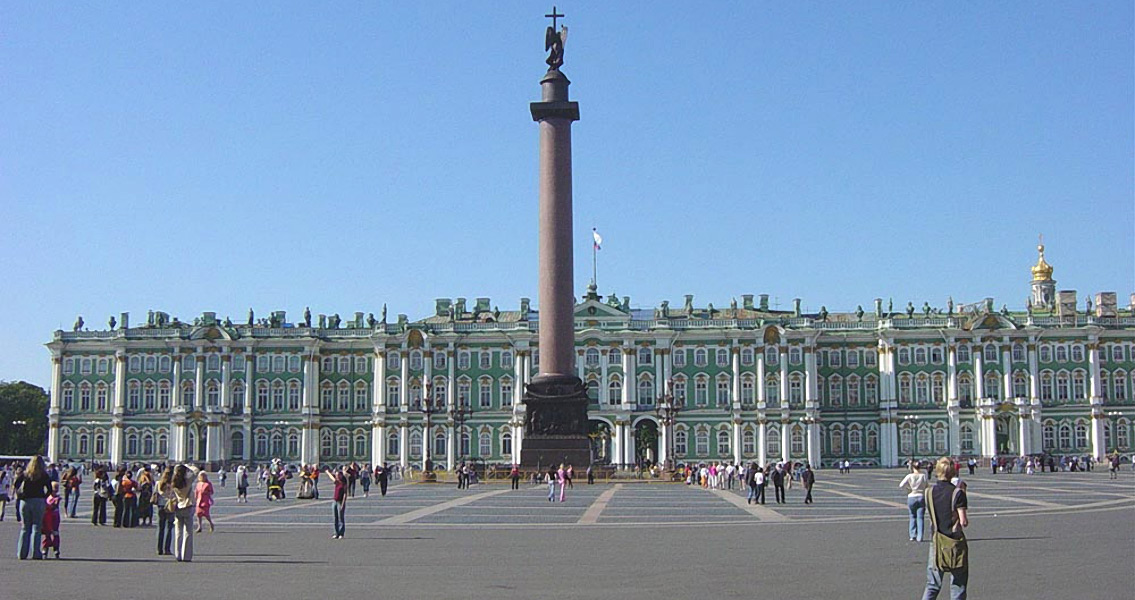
{"x":450,"y":447}
{"x":1024,"y":431}
{"x":176,"y":389}
{"x":1006,"y":373}
{"x":629,"y":444}
{"x":762,"y":442}
{"x":1095,"y":383}
{"x":617,"y":444}
{"x":736,"y":383}
{"x":53,"y":410}
{"x":978,"y":355}
{"x":785,"y":439}
{"x":760,"y":385}
{"x":1034,"y":398}
{"x":249,"y":390}
{"x":604,"y":381}
{"x":226,"y":382}
{"x":663,"y":445}
{"x":953,"y":411}
{"x":309,"y":451}
{"x":518,"y":379}
{"x":199,"y":383}
{"x":1095,"y":399}
{"x":628,"y":376}
{"x":404,"y":444}
{"x":404,"y":388}
{"x":116,"y":425}
{"x":736,"y":441}
{"x":810,"y":377}
{"x":451,"y":385}
{"x":213,"y":441}
{"x":812,"y":443}
{"x":784,"y":378}
{"x":380,"y":454}
{"x":380,"y":380}
{"x":660,"y":376}
{"x":580,"y":367}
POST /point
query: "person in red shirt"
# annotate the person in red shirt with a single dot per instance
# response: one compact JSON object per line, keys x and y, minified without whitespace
{"x":129,"y":493}
{"x":339,"y":505}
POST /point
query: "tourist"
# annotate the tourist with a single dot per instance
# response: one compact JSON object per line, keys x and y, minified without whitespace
{"x":550,"y":480}
{"x":261,"y":477}
{"x":352,"y":472}
{"x":808,"y":478}
{"x":102,"y":492}
{"x":382,"y":475}
{"x":568,"y":474}
{"x":590,"y":475}
{"x":32,"y":486}
{"x":128,"y":494}
{"x":1113,"y":466}
{"x":778,"y":476}
{"x":561,"y":479}
{"x":751,"y":481}
{"x":5,"y":491}
{"x":948,"y":518}
{"x":183,"y":492}
{"x":164,"y":498}
{"x":514,"y":475}
{"x":51,"y":521}
{"x":915,"y":483}
{"x":223,"y":476}
{"x":242,"y":484}
{"x":204,"y":501}
{"x":364,"y":480}
{"x":145,"y":498}
{"x":339,"y":503}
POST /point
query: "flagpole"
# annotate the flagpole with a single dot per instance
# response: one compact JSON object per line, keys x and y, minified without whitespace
{"x":594,"y":266}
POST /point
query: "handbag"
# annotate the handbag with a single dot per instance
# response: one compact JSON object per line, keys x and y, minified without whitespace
{"x":950,"y":554}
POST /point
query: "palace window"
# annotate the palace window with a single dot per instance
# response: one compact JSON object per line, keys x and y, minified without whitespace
{"x":360,"y":364}
{"x":151,"y":363}
{"x":701,"y":391}
{"x":1020,"y":386}
{"x":1078,"y":388}
{"x":237,"y":394}
{"x":835,"y":358}
{"x":922,"y":389}
{"x":506,"y":391}
{"x":701,"y":443}
{"x":485,"y":444}
{"x":904,"y":356}
{"x":464,"y":392}
{"x":327,"y":365}
{"x":68,"y":366}
{"x":213,"y":363}
{"x":904,"y":388}
{"x":772,"y":391}
{"x":439,"y":359}
{"x":797,"y":440}
{"x":213,"y":394}
{"x":871,"y":390}
{"x":992,"y":386}
{"x":416,"y":360}
{"x":394,"y":360}
{"x":990,"y":353}
{"x":262,"y":396}
{"x":853,"y":358}
{"x":853,"y":390}
{"x":700,"y":357}
{"x":506,"y":359}
{"x":936,"y":355}
{"x":747,"y":356}
{"x":872,"y":439}
{"x":485,"y":393}
{"x":1045,"y":353}
{"x":485,"y":359}
{"x":591,"y":357}
{"x":344,"y":396}
{"x":723,"y":447}
{"x":133,"y":396}
{"x":1081,"y":435}
{"x":149,"y":396}
{"x":871,"y":358}
{"x":835,"y":390}
{"x":747,"y":391}
{"x":795,"y":389}
{"x":104,"y":365}
{"x":1018,"y":353}
{"x":645,"y":356}
{"x":263,"y":365}
{"x":748,"y":442}
{"x":415,"y":443}
{"x":278,"y":363}
{"x":393,"y":392}
{"x":855,"y":441}
{"x":463,"y":359}
{"x":1065,"y":436}
{"x":938,"y":389}
{"x":679,"y":357}
{"x":614,"y":392}
{"x":1048,"y":436}
{"x":680,"y":391}
{"x":102,"y":395}
{"x":645,"y":392}
{"x":360,"y":445}
{"x":680,"y":442}
{"x":963,"y":353}
{"x":392,"y":443}
{"x":238,"y":363}
{"x":85,"y":396}
{"x":835,"y":445}
{"x":920,"y":356}
{"x":771,"y":355}
{"x":794,"y":355}
{"x":772,"y":441}
{"x":723,"y":392}
{"x":327,"y":396}
{"x":1077,"y":353}
{"x":135,"y":365}
{"x":294,"y":395}
{"x":1062,"y":353}
{"x":722,"y":357}
{"x":361,"y":397}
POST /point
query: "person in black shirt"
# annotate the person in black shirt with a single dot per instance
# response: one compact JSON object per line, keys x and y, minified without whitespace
{"x":32,"y":487}
{"x":809,"y":479}
{"x":948,"y":518}
{"x":778,"y":483}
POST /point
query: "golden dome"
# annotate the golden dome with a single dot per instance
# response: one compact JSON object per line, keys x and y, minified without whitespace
{"x":1042,"y":271}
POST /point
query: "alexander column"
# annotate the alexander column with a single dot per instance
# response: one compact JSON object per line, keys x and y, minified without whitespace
{"x":555,"y":399}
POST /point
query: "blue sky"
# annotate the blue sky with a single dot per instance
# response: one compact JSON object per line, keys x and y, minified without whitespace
{"x":220,"y":156}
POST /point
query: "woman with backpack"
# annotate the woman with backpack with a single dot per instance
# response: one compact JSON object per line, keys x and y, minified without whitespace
{"x":164,"y":499}
{"x":101,"y":493}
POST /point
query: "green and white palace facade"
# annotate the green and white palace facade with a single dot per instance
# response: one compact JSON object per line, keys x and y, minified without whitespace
{"x":751,"y":383}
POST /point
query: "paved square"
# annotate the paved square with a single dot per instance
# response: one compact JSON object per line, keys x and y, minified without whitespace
{"x":1049,"y":535}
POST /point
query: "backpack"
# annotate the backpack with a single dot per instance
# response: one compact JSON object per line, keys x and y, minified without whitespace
{"x":949,"y":554}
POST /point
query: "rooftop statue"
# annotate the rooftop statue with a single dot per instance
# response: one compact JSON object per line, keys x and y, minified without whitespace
{"x":554,"y":42}
{"x":307,"y":316}
{"x":78,"y":324}
{"x":112,"y":322}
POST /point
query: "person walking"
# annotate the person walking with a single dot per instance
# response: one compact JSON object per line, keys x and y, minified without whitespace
{"x":167,"y":505}
{"x":915,"y":483}
{"x":339,"y":501}
{"x":808,"y":478}
{"x":364,"y":480}
{"x":128,"y":494}
{"x":382,"y":474}
{"x":550,"y":480}
{"x":204,"y":494}
{"x":569,"y":473}
{"x":52,"y":517}
{"x":590,"y":475}
{"x":762,"y":482}
{"x":514,"y":475}
{"x":5,"y":491}
{"x":242,"y":484}
{"x":950,"y":551}
{"x":183,"y":492}
{"x":71,"y":486}
{"x":32,"y":487}
{"x":751,"y":481}
{"x":561,"y":479}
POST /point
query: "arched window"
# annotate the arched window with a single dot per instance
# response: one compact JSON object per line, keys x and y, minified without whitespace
{"x":645,"y":356}
{"x":701,"y":357}
{"x":614,"y":391}
{"x":276,"y":444}
{"x":238,"y":397}
{"x":591,"y":357}
{"x":506,"y":444}
{"x":133,"y":396}
{"x":680,"y":442}
{"x":772,"y":441}
{"x":941,"y":445}
{"x":872,"y":439}
{"x":415,"y":443}
{"x":262,"y":396}
{"x":748,"y":442}
{"x":723,"y":447}
{"x":835,"y":390}
{"x":906,"y":439}
{"x":485,"y":392}
{"x":645,"y":392}
{"x":132,"y":444}
{"x":439,"y":443}
{"x":485,"y":445}
{"x":293,"y":443}
{"x":853,"y":390}
{"x":701,"y":442}
{"x":748,"y":392}
{"x":361,"y":394}
{"x":701,"y":391}
{"x":344,"y":396}
{"x":360,"y":445}
{"x":963,"y":353}
{"x":795,"y":389}
{"x":871,"y":390}
{"x":163,"y":444}
{"x":278,"y":396}
{"x":855,"y":441}
{"x":797,"y":440}
{"x":1081,"y":435}
{"x":1065,"y":436}
{"x":392,"y":442}
{"x":965,"y":436}
{"x":149,"y":396}
{"x":102,"y":395}
{"x":85,"y":397}
{"x":922,"y":388}
{"x":148,"y":444}
{"x":835,"y":445}
{"x":65,"y":443}
{"x":188,"y":394}
{"x":1079,"y":392}
{"x":68,"y":397}
{"x":237,"y":444}
{"x":1048,"y":435}
{"x":327,"y":396}
{"x":294,"y":395}
{"x":904,"y":388}
{"x":772,"y":391}
{"x":326,"y":443}
{"x":1020,"y":385}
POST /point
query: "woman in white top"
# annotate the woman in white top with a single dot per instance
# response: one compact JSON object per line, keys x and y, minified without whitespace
{"x":915,"y":483}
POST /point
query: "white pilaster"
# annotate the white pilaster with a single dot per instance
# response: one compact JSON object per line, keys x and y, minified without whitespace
{"x":762,"y":442}
{"x":199,"y":384}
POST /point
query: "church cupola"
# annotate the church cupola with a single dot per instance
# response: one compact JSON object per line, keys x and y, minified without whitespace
{"x":1044,"y":286}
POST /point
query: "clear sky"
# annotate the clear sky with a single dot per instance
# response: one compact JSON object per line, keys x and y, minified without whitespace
{"x":218,"y":156}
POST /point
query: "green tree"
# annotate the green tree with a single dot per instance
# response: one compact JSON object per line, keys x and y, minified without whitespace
{"x":23,"y":418}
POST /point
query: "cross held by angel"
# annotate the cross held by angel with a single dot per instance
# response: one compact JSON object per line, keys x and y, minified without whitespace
{"x":554,"y":42}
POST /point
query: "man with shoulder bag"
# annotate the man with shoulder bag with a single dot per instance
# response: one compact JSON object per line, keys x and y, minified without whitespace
{"x":949,"y":552}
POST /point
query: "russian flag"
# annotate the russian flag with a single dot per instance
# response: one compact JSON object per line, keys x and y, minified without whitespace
{"x":598,"y":240}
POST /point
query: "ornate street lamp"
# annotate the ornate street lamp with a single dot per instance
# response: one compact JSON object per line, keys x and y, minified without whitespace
{"x":666,"y":409}
{"x":459,"y":413}
{"x":427,"y":409}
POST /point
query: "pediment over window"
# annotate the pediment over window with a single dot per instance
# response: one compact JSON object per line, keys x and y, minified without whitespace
{"x":593,"y":309}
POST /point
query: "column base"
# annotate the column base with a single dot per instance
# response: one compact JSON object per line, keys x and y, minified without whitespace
{"x":556,"y":427}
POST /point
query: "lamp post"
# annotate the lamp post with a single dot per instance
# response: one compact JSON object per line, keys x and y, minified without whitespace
{"x":91,"y":443}
{"x":277,"y":424}
{"x":667,"y":411}
{"x":458,"y":414}
{"x":1113,"y":416}
{"x":913,"y":420}
{"x":22,"y":425}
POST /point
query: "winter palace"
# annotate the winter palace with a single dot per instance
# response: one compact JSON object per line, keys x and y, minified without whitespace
{"x":741,"y":383}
